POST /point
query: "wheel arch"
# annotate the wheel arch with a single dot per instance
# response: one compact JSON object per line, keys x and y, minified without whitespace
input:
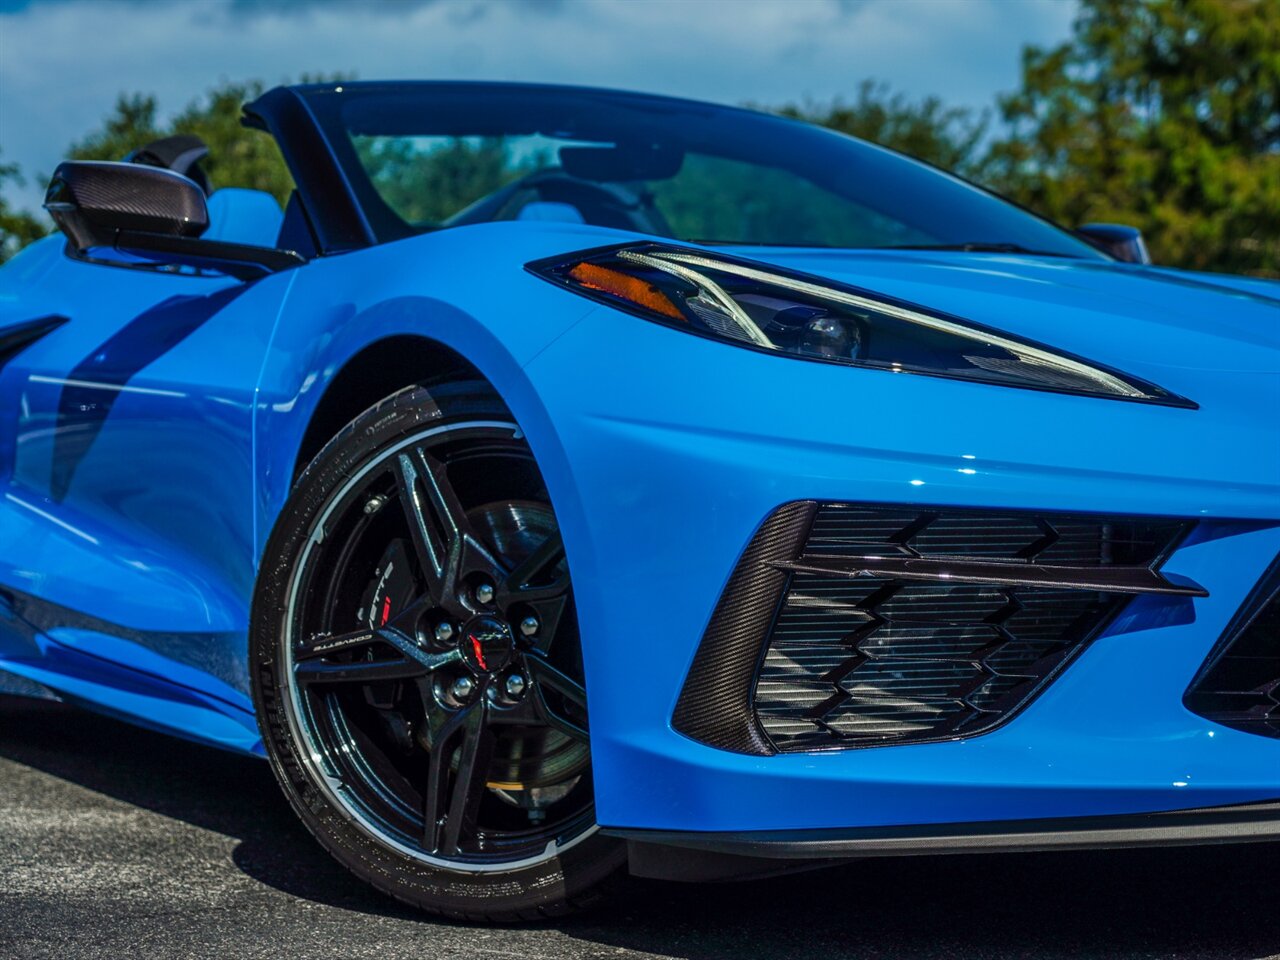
{"x":373,"y":373}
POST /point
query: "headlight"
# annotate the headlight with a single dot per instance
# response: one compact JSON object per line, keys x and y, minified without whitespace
{"x":765,"y":308}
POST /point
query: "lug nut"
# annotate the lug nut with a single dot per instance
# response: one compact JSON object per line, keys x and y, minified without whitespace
{"x":529,"y":626}
{"x":485,"y":593}
{"x":462,"y":688}
{"x":444,"y":632}
{"x":515,"y":685}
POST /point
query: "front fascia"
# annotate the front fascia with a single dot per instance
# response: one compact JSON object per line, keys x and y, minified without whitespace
{"x":676,"y":448}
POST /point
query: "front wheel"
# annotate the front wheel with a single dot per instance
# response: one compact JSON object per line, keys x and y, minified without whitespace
{"x":417,"y":668}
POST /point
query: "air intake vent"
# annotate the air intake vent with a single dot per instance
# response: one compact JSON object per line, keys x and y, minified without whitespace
{"x":854,"y":662}
{"x":850,"y":530}
{"x":897,"y":625}
{"x":16,"y":337}
{"x":1240,"y":684}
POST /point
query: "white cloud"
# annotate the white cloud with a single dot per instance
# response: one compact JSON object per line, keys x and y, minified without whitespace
{"x":62,"y":64}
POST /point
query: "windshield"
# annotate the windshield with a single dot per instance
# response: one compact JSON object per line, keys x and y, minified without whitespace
{"x":432,"y":156}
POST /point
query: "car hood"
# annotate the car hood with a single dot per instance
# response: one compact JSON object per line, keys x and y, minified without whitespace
{"x":1150,"y":321}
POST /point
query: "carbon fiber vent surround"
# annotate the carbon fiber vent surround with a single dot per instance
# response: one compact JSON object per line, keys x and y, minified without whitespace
{"x":874,"y":625}
{"x":1240,"y":684}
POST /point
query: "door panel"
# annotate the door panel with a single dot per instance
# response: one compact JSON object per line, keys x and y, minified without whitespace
{"x":127,"y":443}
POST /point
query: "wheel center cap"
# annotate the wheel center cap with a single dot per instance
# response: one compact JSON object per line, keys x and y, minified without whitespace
{"x":487,"y":644}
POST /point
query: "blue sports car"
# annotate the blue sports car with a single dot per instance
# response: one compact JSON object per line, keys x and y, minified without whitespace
{"x":569,"y":482}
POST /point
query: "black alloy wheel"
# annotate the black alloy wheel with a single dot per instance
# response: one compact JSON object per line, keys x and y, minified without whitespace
{"x":418,"y":669}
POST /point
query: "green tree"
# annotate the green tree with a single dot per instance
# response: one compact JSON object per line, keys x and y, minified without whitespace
{"x":17,"y":227}
{"x":131,"y":124}
{"x":427,"y":179}
{"x":237,"y":157}
{"x":948,"y":137}
{"x":1164,"y":114}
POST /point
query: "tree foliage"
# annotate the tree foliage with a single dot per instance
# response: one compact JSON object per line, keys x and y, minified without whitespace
{"x":427,"y":179}
{"x":1164,"y":114}
{"x":947,"y":137}
{"x":17,"y":227}
{"x":131,"y":124}
{"x":237,"y":157}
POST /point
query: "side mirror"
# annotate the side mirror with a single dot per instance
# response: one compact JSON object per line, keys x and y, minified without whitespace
{"x":92,"y":202}
{"x":1123,"y":243}
{"x":150,"y":212}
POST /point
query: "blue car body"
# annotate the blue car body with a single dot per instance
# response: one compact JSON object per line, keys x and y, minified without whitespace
{"x":152,"y":436}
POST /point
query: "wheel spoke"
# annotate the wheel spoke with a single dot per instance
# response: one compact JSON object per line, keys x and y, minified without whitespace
{"x":327,"y":644}
{"x":529,"y":587}
{"x":361,"y":671}
{"x":446,"y":545}
{"x":525,"y":712}
{"x":405,"y":622}
{"x":432,"y":548}
{"x":546,"y":678}
{"x":523,"y":583}
{"x":312,"y":663}
{"x":451,"y":801}
{"x":548,"y":613}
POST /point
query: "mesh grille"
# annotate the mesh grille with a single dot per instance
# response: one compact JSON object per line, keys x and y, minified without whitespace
{"x":860,"y":660}
{"x":847,"y":625}
{"x":873,"y":660}
{"x":1240,"y":686}
{"x":849,"y":530}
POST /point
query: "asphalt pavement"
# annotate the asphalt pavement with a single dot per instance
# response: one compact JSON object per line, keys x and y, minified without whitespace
{"x":118,"y":842}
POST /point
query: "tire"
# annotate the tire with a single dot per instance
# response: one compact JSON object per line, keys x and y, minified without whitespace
{"x":416,"y":666}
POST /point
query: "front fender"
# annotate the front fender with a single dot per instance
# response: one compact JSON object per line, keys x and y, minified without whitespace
{"x":451,"y":288}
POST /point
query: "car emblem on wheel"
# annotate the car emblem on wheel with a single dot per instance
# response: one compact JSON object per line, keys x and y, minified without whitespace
{"x":487,"y":644}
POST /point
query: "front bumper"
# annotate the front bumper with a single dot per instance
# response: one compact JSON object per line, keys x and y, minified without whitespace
{"x":676,"y":448}
{"x":721,"y":856}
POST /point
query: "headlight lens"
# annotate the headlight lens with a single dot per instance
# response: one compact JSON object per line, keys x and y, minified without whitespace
{"x":763,"y":307}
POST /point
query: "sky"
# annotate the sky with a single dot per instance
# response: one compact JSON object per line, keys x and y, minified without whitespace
{"x":64,"y":62}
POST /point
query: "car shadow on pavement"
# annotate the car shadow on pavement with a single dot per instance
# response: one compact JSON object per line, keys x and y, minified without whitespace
{"x":1192,"y":902}
{"x":211,"y":789}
